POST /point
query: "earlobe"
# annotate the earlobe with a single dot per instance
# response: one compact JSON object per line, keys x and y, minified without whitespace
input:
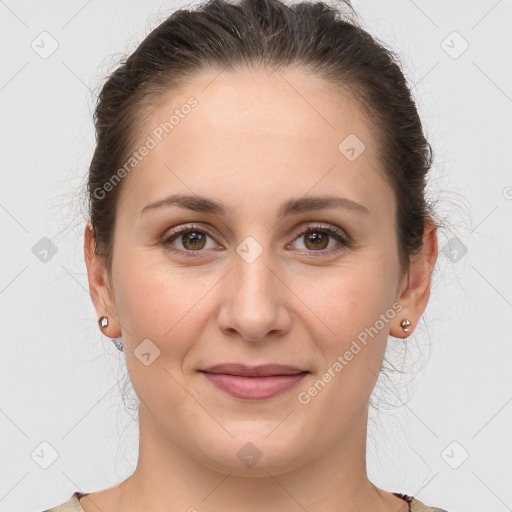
{"x":99,"y":287}
{"x":416,"y":292}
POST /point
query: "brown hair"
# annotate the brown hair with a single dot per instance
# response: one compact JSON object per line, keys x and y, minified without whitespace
{"x":220,"y":35}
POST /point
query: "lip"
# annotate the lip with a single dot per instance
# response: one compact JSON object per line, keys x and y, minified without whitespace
{"x":263,"y":370}
{"x":254,"y":382}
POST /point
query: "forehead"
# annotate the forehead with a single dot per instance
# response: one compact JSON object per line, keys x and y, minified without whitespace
{"x":236,"y":131}
{"x":258,"y":103}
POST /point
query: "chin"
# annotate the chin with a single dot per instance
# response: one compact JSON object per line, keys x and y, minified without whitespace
{"x":255,"y":450}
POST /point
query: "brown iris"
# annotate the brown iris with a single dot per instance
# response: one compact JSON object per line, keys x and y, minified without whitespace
{"x":318,"y":238}
{"x":196,"y":238}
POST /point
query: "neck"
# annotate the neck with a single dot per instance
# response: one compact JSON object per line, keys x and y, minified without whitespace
{"x":334,"y":481}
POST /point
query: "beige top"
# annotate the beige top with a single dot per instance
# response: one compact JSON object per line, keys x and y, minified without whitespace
{"x":73,"y":504}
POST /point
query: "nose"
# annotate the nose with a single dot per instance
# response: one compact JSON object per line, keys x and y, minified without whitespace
{"x":255,"y":300}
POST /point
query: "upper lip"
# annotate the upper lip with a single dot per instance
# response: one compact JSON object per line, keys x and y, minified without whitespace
{"x":263,"y":370}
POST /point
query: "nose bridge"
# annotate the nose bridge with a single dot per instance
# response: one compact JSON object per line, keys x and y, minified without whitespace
{"x":253,"y":305}
{"x":253,"y":279}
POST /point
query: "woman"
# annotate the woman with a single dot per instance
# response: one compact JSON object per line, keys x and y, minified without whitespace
{"x":258,"y":227}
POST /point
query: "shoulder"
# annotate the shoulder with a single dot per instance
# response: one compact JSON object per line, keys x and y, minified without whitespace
{"x":416,"y":505}
{"x":72,"y":505}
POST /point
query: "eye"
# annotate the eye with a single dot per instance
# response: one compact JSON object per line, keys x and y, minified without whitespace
{"x":192,"y":237}
{"x":316,"y":239}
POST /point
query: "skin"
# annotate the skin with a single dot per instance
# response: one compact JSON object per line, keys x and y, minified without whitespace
{"x":254,"y":141}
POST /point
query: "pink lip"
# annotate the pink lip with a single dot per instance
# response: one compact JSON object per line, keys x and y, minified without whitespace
{"x":254,"y":383}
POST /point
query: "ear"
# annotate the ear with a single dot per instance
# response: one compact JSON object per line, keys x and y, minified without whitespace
{"x":414,"y":291}
{"x":99,"y":286}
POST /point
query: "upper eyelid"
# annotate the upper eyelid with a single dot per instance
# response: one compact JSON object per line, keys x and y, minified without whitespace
{"x":299,"y":231}
{"x":317,"y":225}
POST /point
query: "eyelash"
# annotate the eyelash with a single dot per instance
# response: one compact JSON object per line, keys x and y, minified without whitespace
{"x":344,"y":241}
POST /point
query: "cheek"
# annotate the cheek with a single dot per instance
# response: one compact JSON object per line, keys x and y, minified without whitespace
{"x":354,"y":301}
{"x":356,"y":311}
{"x":352,"y":345}
{"x":159,"y":303}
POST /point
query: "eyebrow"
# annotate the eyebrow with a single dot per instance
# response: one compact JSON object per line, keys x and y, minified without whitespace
{"x":204,"y":204}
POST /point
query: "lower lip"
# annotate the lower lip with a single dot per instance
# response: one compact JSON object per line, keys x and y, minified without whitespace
{"x":254,"y":388}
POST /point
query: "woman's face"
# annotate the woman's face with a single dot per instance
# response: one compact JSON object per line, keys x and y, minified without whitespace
{"x":256,"y":290}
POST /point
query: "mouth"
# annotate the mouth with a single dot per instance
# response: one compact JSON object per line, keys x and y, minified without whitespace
{"x":254,"y":383}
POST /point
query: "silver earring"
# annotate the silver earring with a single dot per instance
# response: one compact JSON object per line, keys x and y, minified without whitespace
{"x":405,"y":325}
{"x":118,"y":342}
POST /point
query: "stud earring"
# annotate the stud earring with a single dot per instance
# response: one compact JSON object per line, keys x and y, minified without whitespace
{"x":118,"y":342}
{"x":405,"y":325}
{"x":103,"y":322}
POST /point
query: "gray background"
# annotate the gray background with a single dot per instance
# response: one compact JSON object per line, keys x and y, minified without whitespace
{"x":443,"y":431}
